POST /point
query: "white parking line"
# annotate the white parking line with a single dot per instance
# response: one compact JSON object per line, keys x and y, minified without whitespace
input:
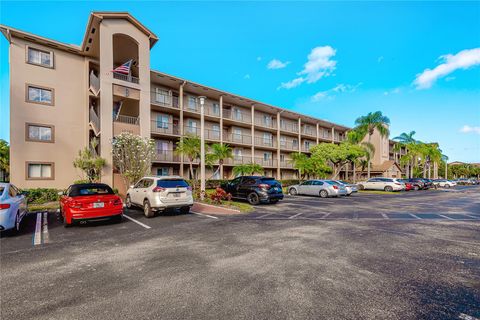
{"x":37,"y":236}
{"x":296,"y":215}
{"x":204,"y":215}
{"x":415,"y":216}
{"x":476,"y":218}
{"x":441,"y":215}
{"x":45,"y":227}
{"x":384,"y":215}
{"x":137,"y":222}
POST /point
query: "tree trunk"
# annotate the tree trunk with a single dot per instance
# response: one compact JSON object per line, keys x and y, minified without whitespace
{"x":354,"y":173}
{"x":446,"y":170}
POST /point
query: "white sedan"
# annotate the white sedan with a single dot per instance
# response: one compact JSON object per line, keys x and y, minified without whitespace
{"x":443,"y":183}
{"x":13,"y":207}
{"x":385,"y":184}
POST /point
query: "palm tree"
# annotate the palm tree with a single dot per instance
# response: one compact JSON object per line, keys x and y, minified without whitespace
{"x":406,"y":138}
{"x":4,"y":158}
{"x":371,"y":122}
{"x":300,"y":162}
{"x":247,"y":169}
{"x":356,"y":136}
{"x":189,"y":147}
{"x":219,"y":152}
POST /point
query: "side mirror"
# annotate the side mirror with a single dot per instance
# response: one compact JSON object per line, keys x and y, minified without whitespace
{"x":131,"y":186}
{"x":61,"y":193}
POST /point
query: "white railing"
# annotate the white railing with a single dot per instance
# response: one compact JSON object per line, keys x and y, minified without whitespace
{"x":94,"y":121}
{"x":127,"y":119}
{"x":94,"y":83}
{"x":237,"y":115}
{"x":238,"y":138}
{"x":125,"y":77}
{"x":164,"y":127}
{"x":167,"y":156}
{"x":265,"y":142}
{"x":289,"y":126}
{"x":272,"y":123}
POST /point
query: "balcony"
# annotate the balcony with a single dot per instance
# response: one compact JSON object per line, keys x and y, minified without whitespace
{"x":94,"y":83}
{"x":122,"y":123}
{"x":209,"y":133}
{"x":94,"y":121}
{"x":264,"y":162}
{"x":125,"y":77}
{"x":237,"y":116}
{"x":270,"y":123}
{"x":167,"y":128}
{"x":238,"y":138}
{"x":288,"y":145}
{"x":265,"y":142}
{"x":286,"y":164}
{"x":289,"y":126}
{"x":238,"y":159}
{"x":164,"y":100}
{"x":306,"y":148}
{"x":309,"y":132}
{"x":166,"y":156}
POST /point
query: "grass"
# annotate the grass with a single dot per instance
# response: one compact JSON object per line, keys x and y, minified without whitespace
{"x":47,"y":206}
{"x":242,"y":206}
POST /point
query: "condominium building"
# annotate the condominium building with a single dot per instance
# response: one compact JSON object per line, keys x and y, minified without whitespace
{"x":62,"y":96}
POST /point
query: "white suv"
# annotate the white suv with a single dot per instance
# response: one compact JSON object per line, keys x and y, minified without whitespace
{"x":158,"y":193}
{"x":385,"y":184}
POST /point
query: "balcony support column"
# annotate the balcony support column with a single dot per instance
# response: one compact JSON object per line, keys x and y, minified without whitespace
{"x":220,"y":103}
{"x":278,"y":146}
{"x":253,"y":132}
{"x":180,"y":105}
{"x":299,"y":135}
{"x":333,"y":134}
{"x":318,"y":133}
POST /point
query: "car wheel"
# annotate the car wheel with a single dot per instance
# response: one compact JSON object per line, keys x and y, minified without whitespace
{"x":349,"y":194}
{"x":361,"y":187}
{"x":185,"y":210}
{"x":117,"y":218}
{"x":147,"y":209}
{"x":292,"y":192}
{"x":388,"y":189}
{"x":323,"y":194}
{"x":128,"y":202}
{"x":415,"y":188}
{"x":17,"y":222}
{"x":447,"y":186}
{"x":253,"y":199}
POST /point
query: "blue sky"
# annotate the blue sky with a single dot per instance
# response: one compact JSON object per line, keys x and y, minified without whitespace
{"x":419,"y":63}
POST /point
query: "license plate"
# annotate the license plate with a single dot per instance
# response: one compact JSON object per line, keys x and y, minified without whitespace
{"x":176,"y":195}
{"x":98,"y":205}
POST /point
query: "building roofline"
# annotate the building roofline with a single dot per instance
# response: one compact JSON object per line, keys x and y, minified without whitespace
{"x":254,"y":102}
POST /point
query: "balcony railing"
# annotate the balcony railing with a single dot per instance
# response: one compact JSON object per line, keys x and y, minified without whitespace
{"x":289,"y":126}
{"x":264,"y":162}
{"x":237,"y":116}
{"x":94,"y":83}
{"x":238,"y":138}
{"x":165,"y":100}
{"x":260,"y":121}
{"x":309,"y":132}
{"x":265,"y":142}
{"x":210,"y":134}
{"x":167,"y":156}
{"x":237,"y":159}
{"x":164,"y":127}
{"x":306,"y":148}
{"x":191,"y":106}
{"x":286,"y":164}
{"x":125,"y":77}
{"x":288,"y":145}
{"x":127,"y":119}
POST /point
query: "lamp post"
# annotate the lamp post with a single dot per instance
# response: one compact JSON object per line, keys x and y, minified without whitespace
{"x":202,"y":147}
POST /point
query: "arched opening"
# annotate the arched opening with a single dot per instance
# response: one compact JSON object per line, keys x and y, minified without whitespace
{"x":125,"y":49}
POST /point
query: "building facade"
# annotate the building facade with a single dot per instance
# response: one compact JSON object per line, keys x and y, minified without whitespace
{"x":63,"y":96}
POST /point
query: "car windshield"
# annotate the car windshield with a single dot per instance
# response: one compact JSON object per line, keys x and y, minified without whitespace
{"x":90,"y":190}
{"x":332,"y":182}
{"x":172,"y":183}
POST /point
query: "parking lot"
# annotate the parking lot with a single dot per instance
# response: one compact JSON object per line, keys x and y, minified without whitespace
{"x":412,"y":255}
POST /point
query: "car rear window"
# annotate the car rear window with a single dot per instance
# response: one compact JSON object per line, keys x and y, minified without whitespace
{"x":172,"y":183}
{"x":90,"y":190}
{"x":270,"y":181}
{"x":1,"y":190}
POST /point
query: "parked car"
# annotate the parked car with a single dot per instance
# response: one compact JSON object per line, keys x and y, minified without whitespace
{"x":13,"y":207}
{"x":322,"y":188}
{"x":385,"y":184}
{"x":444,"y":183}
{"x":465,"y":181}
{"x":89,"y":201}
{"x":408,"y":185}
{"x":351,"y":188}
{"x":418,"y":183}
{"x":254,"y":189}
{"x":158,"y":193}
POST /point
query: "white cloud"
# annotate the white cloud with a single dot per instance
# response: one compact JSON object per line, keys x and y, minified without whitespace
{"x":449,"y":79}
{"x":469,"y":129}
{"x":393,"y":91}
{"x":462,"y":60}
{"x":318,"y":65}
{"x":277,"y":64}
{"x":247,"y":76}
{"x":339,"y":88}
{"x":380,"y":59}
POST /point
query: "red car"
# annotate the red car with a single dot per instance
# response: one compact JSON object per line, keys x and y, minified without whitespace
{"x":90,"y":201}
{"x":408,"y":185}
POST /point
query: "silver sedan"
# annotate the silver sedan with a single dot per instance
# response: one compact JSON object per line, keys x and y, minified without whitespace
{"x":322,"y":188}
{"x":13,"y":207}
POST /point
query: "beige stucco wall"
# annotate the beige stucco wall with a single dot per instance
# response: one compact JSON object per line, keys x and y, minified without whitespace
{"x":69,"y":115}
{"x":382,"y":149}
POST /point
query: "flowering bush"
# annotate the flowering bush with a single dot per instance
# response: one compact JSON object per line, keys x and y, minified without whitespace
{"x":220,"y":195}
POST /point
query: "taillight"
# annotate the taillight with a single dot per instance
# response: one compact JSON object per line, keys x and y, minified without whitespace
{"x":75,"y":204}
{"x":4,"y":205}
{"x":335,"y":187}
{"x":189,"y":188}
{"x":158,"y":189}
{"x":398,"y":184}
{"x":117,"y":202}
{"x":264,"y":186}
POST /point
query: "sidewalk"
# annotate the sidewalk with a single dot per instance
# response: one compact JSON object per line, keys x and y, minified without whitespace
{"x":211,"y":209}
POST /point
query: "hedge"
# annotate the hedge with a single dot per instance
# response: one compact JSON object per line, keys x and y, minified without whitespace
{"x":212,"y":184}
{"x":41,"y":195}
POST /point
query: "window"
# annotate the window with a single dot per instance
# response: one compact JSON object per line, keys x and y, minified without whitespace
{"x":267,"y":138}
{"x":216,"y":109}
{"x":162,"y":96}
{"x":40,"y":57}
{"x":192,"y":127}
{"x":283,"y":141}
{"x":163,"y":171}
{"x":39,"y":171}
{"x":325,"y":133}
{"x":162,"y":121}
{"x":267,"y":120}
{"x":267,"y":156}
{"x":37,"y":132}
{"x":237,"y":134}
{"x":172,"y":183}
{"x":282,"y":158}
{"x":317,"y":183}
{"x":192,"y":103}
{"x":216,"y":131}
{"x":39,"y":95}
{"x":89,"y":190}
{"x":237,"y":114}
{"x":140,"y":184}
{"x":307,"y":183}
{"x":307,"y":145}
{"x":237,"y":153}
{"x":295,"y":143}
{"x":12,"y":192}
{"x":282,"y":124}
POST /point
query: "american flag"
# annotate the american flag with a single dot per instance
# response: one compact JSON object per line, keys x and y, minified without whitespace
{"x":124,"y":68}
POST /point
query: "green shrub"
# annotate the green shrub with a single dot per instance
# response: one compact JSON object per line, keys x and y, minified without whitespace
{"x":290,"y":182}
{"x":80,"y":181}
{"x":41,"y":195}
